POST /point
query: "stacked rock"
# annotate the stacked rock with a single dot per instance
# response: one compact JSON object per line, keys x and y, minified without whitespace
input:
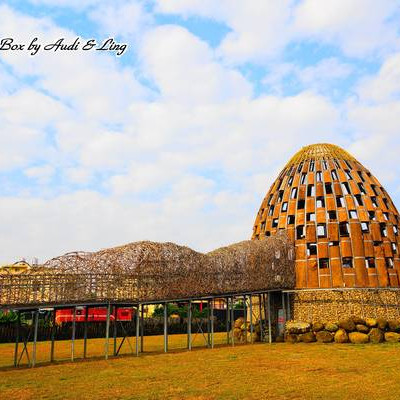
{"x":242,"y":333}
{"x":350,"y":330}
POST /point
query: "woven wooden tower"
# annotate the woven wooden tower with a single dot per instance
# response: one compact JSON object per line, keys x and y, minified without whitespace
{"x":343,"y":222}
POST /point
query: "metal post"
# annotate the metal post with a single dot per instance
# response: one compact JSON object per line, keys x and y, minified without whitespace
{"x":189,"y":325}
{"x":85,"y":329}
{"x":142,"y":329}
{"x":260,"y":320}
{"x":245,"y":317}
{"x":288,"y":306}
{"x":284,"y":305}
{"x":137,"y":328}
{"x":35,"y":333}
{"x":17,"y":339}
{"x":251,"y":319}
{"x":73,"y":334}
{"x":208,"y":325}
{"x":265,"y":307}
{"x":107,"y":331}
{"x":269,"y":318}
{"x":212,"y":322}
{"x":165,"y":327}
{"x":227,"y":321}
{"x":232,"y":320}
{"x":115,"y":312}
{"x":53,"y":334}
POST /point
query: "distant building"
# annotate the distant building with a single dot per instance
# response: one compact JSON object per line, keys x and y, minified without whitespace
{"x":17,"y":268}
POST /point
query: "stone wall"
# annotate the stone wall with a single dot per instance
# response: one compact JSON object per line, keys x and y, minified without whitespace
{"x":333,"y":305}
{"x":350,"y":330}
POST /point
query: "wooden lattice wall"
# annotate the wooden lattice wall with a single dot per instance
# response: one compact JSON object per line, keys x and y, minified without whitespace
{"x":148,"y":271}
{"x":343,"y":221}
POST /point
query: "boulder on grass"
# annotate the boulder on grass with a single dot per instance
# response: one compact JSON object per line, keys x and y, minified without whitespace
{"x":381,"y":323}
{"x":331,"y":327}
{"x":324,"y":337}
{"x":237,"y":333}
{"x":291,"y":338}
{"x":371,"y":322}
{"x":297,"y":327}
{"x":358,"y":320}
{"x":362,"y":328}
{"x":392,"y":337}
{"x":376,"y":335}
{"x":393,"y":325}
{"x":358,"y":338}
{"x":347,"y":324}
{"x":341,"y":336}
{"x":307,"y":337}
{"x":239,"y":322}
{"x":317,"y":326}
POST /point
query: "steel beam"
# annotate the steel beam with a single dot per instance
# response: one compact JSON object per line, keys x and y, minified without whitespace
{"x":227,"y":321}
{"x":35,"y":334}
{"x":115,"y":312}
{"x":107,"y":331}
{"x":142,"y":328}
{"x":269,"y":319}
{"x":232,"y":320}
{"x":165,"y":327}
{"x":245,"y":317}
{"x":208,"y":324}
{"x":53,"y":335}
{"x":73,"y":335}
{"x":284,"y":305}
{"x":137,"y":328}
{"x":18,"y":325}
{"x":212,"y":322}
{"x":261,"y":318}
{"x":251,"y":320}
{"x":85,"y":330}
{"x":189,"y":325}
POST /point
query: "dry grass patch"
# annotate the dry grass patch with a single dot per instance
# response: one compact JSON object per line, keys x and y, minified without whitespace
{"x":260,"y":371}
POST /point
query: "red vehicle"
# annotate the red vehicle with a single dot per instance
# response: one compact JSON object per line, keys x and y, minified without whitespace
{"x":97,"y":314}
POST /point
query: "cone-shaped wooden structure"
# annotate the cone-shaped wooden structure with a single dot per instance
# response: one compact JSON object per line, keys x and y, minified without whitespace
{"x":343,"y":222}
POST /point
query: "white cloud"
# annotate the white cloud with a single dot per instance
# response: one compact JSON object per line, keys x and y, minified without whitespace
{"x":8,"y":83}
{"x":78,"y":4}
{"x":326,"y":70}
{"x":385,"y":86}
{"x":42,"y":173}
{"x":90,"y":83}
{"x":71,"y":97}
{"x":319,"y":77}
{"x":185,"y":69}
{"x":31,"y":107}
{"x":261,"y":29}
{"x":375,"y":129}
{"x":257,"y":33}
{"x":86,"y":220}
{"x":257,"y":30}
{"x":191,"y":160}
{"x":25,"y":116}
{"x":78,"y":175}
{"x":125,"y":18}
{"x":359,"y":27}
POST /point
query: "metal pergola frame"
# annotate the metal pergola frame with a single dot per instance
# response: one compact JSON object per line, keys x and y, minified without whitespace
{"x":264,"y":308}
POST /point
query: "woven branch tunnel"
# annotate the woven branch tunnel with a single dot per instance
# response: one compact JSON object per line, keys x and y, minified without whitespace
{"x":150,"y":272}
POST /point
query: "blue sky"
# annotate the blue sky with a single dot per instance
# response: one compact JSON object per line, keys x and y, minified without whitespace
{"x":180,"y":137}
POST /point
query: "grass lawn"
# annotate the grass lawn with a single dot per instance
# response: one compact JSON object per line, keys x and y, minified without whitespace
{"x":259,"y":371}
